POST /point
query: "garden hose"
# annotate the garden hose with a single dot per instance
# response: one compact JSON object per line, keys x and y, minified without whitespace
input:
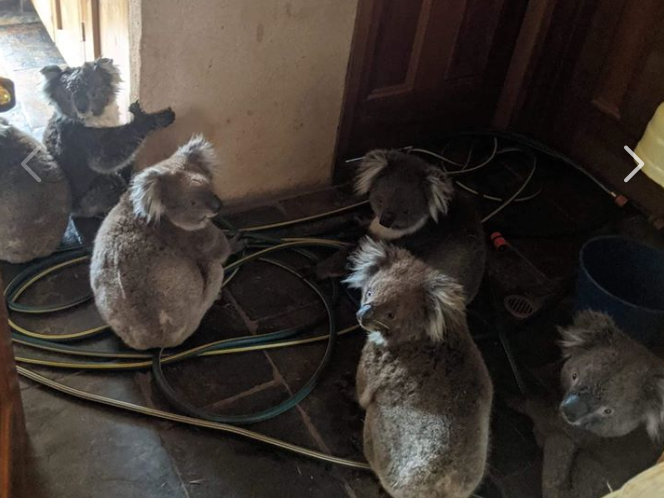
{"x":182,"y":419}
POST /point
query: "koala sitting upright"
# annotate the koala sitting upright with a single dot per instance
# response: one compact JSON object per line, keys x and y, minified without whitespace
{"x":610,"y":423}
{"x":157,"y":260}
{"x":34,"y":209}
{"x":421,"y":379}
{"x":84,"y":135}
{"x":416,"y":208}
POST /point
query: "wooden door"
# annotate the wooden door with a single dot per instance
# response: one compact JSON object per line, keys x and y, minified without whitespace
{"x":69,"y":34}
{"x":597,"y":82}
{"x":12,"y":425}
{"x":73,"y":27}
{"x":421,"y":67}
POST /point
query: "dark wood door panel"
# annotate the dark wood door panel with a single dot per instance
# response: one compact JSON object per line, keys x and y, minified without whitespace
{"x":421,"y":67}
{"x":614,"y":91}
{"x":595,"y":80}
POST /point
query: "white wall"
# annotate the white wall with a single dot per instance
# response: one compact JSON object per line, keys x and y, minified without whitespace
{"x":262,"y":79}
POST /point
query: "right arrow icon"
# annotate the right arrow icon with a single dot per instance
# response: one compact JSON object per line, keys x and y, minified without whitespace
{"x":638,"y":161}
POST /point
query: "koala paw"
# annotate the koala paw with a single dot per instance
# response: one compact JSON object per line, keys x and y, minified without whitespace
{"x":163,"y":119}
{"x":237,"y":243}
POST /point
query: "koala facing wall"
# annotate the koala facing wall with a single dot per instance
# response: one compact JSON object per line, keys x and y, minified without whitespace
{"x":609,"y":425}
{"x":157,"y":260}
{"x":33,"y":213}
{"x":85,"y":137}
{"x":421,"y":379}
{"x":416,"y":207}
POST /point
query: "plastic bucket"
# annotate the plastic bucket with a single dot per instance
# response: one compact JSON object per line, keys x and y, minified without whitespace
{"x":624,"y":279}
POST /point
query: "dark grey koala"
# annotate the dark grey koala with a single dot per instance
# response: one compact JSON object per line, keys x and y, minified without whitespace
{"x":610,"y":423}
{"x":157,"y":261}
{"x":84,"y":135}
{"x":417,"y":208}
{"x":421,"y":379}
{"x":33,"y":209}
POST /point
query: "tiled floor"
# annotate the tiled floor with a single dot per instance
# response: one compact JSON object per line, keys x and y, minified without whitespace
{"x":83,"y":451}
{"x":25,"y":48}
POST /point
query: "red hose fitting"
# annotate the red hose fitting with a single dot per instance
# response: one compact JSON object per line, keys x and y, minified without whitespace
{"x":499,"y":242}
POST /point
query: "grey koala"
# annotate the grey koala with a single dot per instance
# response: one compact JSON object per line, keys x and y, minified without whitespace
{"x":416,"y":207}
{"x":33,"y":211}
{"x":421,"y":379}
{"x":157,"y":260}
{"x":610,"y":423}
{"x":84,"y":135}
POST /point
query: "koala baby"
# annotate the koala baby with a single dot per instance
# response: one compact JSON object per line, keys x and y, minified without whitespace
{"x":33,"y":210}
{"x":84,"y":135}
{"x":416,"y":208}
{"x":157,"y":260}
{"x":610,"y":423}
{"x":421,"y":379}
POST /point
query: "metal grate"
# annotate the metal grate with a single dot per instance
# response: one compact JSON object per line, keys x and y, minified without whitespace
{"x":519,"y":306}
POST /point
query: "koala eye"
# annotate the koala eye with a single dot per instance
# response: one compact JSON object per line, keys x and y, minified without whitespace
{"x":390,"y":316}
{"x":608,"y":411}
{"x":193,"y":203}
{"x":575,"y":375}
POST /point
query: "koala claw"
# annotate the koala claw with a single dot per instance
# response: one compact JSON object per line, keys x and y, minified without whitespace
{"x":136,"y":110}
{"x":237,"y":243}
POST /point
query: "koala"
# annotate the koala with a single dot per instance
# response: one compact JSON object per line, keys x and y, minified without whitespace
{"x":34,"y":210}
{"x":157,"y":260}
{"x":610,"y":422}
{"x":421,"y":379}
{"x":416,"y":207}
{"x":85,"y":137}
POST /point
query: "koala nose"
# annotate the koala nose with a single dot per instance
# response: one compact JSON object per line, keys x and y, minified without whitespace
{"x":364,"y":312}
{"x":387,"y":219}
{"x":216,"y":205}
{"x":574,"y":408}
{"x":81,"y":102}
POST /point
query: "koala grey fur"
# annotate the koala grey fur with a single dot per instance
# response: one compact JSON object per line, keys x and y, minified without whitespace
{"x":609,"y":426}
{"x":416,"y":207}
{"x":157,"y":260}
{"x":34,"y":213}
{"x":84,"y":135}
{"x":421,"y":379}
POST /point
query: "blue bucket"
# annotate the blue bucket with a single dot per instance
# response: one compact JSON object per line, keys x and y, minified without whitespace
{"x":624,"y":279}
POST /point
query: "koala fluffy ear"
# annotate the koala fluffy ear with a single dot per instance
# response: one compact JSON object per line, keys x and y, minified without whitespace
{"x":200,"y":153}
{"x":145,"y":194}
{"x":51,"y":72}
{"x":589,"y":329}
{"x":445,"y":305}
{"x":654,"y":412}
{"x":365,"y":262}
{"x":107,"y":65}
{"x":372,"y":164}
{"x":440,"y":191}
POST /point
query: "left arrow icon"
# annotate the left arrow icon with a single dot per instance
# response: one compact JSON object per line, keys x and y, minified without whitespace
{"x":638,"y":161}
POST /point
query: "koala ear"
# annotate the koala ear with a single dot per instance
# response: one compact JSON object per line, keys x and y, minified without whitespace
{"x":145,"y":193}
{"x":445,"y":304}
{"x":109,"y":67}
{"x":440,"y":191}
{"x":372,"y":164}
{"x":365,"y":262}
{"x":588,"y":329}
{"x":51,"y":72}
{"x":200,"y":153}
{"x":654,"y":412}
